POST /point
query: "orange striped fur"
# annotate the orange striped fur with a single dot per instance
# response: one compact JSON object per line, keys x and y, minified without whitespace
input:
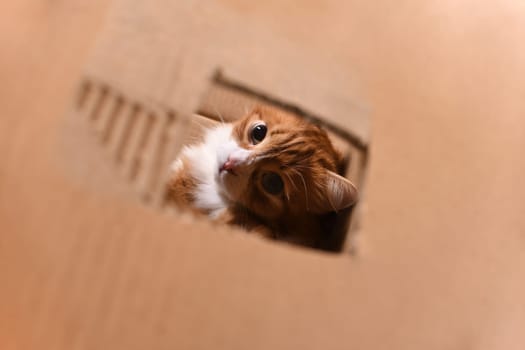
{"x":280,"y":186}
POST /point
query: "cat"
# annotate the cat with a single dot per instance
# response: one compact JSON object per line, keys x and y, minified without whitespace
{"x":270,"y":172}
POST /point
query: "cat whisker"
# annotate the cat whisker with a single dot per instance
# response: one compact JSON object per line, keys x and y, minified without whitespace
{"x":304,"y":184}
{"x":293,"y":184}
{"x":290,"y":178}
{"x":202,"y":125}
{"x":260,"y":157}
{"x":218,"y":114}
{"x":196,"y":121}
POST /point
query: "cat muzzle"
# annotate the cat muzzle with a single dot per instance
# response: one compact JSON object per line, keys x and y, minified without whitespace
{"x":229,"y":166}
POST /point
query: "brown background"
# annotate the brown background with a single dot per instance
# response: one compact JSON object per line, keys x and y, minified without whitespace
{"x":441,"y":262}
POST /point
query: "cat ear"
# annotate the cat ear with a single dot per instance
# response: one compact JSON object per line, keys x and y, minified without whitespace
{"x":339,"y":193}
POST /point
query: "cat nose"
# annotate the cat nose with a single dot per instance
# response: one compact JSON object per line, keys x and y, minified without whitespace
{"x":229,"y":165}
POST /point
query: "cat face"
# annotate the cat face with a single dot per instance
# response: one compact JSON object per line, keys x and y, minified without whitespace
{"x":276,"y":164}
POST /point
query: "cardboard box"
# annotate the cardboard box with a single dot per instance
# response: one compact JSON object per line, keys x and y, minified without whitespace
{"x":89,"y":259}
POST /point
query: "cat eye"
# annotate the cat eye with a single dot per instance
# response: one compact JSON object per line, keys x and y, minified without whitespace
{"x":258,"y":133}
{"x":272,"y":183}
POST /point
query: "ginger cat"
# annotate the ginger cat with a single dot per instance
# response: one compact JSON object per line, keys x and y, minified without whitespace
{"x":268,"y":172}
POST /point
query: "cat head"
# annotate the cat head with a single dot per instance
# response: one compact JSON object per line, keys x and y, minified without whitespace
{"x":277,"y":164}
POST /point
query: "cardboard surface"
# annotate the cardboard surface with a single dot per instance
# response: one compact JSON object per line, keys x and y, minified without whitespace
{"x":442,"y":247}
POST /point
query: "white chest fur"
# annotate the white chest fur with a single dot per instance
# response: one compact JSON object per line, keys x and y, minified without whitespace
{"x":203,"y":162}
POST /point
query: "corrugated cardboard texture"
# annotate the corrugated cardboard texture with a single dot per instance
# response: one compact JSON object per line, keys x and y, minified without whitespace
{"x":442,"y":253}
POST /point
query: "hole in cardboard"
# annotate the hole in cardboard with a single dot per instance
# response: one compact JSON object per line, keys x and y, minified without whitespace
{"x":228,"y":100}
{"x":141,"y":139}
